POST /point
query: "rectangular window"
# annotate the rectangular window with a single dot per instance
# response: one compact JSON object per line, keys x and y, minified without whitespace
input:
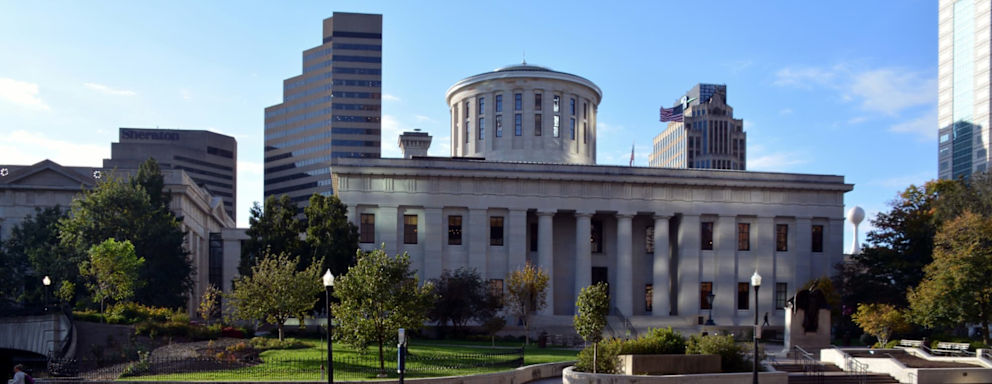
{"x":468,"y":109}
{"x":556,"y":128}
{"x":781,"y":237}
{"x":743,"y":237}
{"x":499,"y":103}
{"x":496,"y":288}
{"x":468,"y":129}
{"x":482,"y":106}
{"x":571,"y":106}
{"x":538,"y":123}
{"x":596,"y":241}
{"x":556,"y":103}
{"x":705,"y":289}
{"x":482,"y":128}
{"x":518,"y":125}
{"x":649,"y":240}
{"x":499,"y":125}
{"x":454,"y":230}
{"x":518,"y":101}
{"x":367,"y":230}
{"x":532,"y":229}
{"x":585,"y":110}
{"x":817,"y":243}
{"x":781,"y":294}
{"x":585,"y":133}
{"x":409,"y":229}
{"x":572,"y":128}
{"x":648,"y":297}
{"x":496,"y":231}
{"x":538,"y":101}
{"x":706,"y":236}
{"x":743,"y":299}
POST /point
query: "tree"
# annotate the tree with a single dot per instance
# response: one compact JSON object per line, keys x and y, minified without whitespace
{"x":377,"y":296}
{"x":272,"y":229}
{"x":150,"y":178}
{"x":275,"y":291}
{"x":881,"y":321}
{"x":462,"y":296}
{"x":329,"y":233}
{"x":111,"y":271}
{"x":593,"y":305}
{"x":209,"y":303}
{"x":123,"y":211}
{"x":33,"y":251}
{"x":527,"y":294}
{"x":955,"y":288}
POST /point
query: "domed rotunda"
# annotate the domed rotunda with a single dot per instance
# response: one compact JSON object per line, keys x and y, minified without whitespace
{"x":524,"y":113}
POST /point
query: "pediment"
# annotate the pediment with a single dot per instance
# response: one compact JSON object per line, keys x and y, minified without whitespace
{"x":49,"y":174}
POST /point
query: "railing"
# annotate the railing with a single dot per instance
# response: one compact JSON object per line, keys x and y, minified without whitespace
{"x":811,"y":367}
{"x":355,"y":367}
{"x":857,"y":369}
{"x":986,"y":355}
{"x":912,"y":377}
{"x":628,"y":326}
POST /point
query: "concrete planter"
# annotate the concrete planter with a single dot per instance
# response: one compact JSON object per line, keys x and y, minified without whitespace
{"x":570,"y":376}
{"x":669,"y":364}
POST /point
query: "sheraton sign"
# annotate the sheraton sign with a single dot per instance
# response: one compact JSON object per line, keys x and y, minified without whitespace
{"x":133,"y":134}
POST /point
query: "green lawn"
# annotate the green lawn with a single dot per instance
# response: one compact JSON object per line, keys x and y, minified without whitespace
{"x":428,"y":358}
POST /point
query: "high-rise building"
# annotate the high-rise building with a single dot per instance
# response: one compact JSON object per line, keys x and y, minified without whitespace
{"x":209,"y":158}
{"x":707,"y":137}
{"x":963,"y":87}
{"x":332,"y":109}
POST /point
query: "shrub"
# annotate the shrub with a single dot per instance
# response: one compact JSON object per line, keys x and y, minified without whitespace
{"x":88,"y":315}
{"x":232,"y":332}
{"x":607,"y":360}
{"x":139,"y":367}
{"x":657,"y":341}
{"x":265,"y":343}
{"x":733,"y":356}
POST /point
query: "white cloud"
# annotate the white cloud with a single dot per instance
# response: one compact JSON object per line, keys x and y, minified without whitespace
{"x":785,"y":111}
{"x":887,"y":91}
{"x":775,"y":162}
{"x":388,"y":97}
{"x":738,"y":65}
{"x":804,"y":77}
{"x":924,"y":126}
{"x":424,"y":119}
{"x":108,"y":90}
{"x":21,"y":93}
{"x":25,"y":148}
{"x":857,"y":120}
{"x":250,"y":167}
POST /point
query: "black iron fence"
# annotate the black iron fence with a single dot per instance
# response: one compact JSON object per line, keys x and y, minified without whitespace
{"x":274,"y":368}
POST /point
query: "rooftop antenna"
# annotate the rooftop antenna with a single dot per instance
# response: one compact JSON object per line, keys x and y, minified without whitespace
{"x":525,"y":57}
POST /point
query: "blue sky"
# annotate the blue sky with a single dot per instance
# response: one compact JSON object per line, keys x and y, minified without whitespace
{"x":840,"y":87}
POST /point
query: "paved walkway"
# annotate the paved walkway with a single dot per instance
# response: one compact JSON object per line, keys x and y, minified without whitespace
{"x":553,"y":380}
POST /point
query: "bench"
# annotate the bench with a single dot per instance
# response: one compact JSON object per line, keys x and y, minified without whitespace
{"x":911,"y":343}
{"x":949,"y":348}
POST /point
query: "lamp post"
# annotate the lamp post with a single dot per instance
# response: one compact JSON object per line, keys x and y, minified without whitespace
{"x":47,"y":282}
{"x":328,"y":285}
{"x":756,"y":282}
{"x":709,"y":302}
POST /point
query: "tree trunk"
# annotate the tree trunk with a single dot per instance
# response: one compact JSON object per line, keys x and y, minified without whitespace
{"x":382,"y":360}
{"x":595,"y":352}
{"x":280,"y":331}
{"x":985,"y":331}
{"x":526,"y":331}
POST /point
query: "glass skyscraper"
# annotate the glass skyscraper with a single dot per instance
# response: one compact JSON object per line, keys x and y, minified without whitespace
{"x":333,"y":109}
{"x":963,"y":90}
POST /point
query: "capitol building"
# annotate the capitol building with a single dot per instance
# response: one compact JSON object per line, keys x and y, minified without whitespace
{"x":522,"y":185}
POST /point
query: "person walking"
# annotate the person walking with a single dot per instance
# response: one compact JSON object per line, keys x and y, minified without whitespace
{"x":766,"y":320}
{"x":19,"y":375}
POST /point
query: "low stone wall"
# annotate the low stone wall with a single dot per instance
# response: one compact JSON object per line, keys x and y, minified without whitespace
{"x":516,"y":376}
{"x":669,"y":364}
{"x":570,"y":376}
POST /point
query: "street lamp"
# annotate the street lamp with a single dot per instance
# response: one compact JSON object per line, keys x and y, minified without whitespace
{"x":47,"y":282}
{"x":709,"y":302}
{"x":328,"y":285}
{"x":756,"y":282}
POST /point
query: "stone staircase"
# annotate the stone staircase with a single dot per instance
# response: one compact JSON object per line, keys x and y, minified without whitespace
{"x":822,"y":373}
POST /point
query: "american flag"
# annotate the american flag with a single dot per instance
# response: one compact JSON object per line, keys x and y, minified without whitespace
{"x":671,"y":114}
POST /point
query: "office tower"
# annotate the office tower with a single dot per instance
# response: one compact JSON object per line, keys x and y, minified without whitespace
{"x":209,"y":158}
{"x":706,"y":136}
{"x":331,"y":110}
{"x":963,"y":87}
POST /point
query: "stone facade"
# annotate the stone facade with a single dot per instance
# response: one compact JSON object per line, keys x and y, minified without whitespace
{"x":632,"y":227}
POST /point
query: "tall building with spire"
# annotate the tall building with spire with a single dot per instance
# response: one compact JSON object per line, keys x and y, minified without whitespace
{"x":708,"y":135}
{"x":963,"y":92}
{"x":332,"y":109}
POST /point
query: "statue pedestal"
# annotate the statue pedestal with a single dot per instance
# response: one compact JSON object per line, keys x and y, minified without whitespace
{"x":796,"y":335}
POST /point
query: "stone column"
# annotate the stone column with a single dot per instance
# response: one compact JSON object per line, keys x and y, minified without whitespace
{"x":802,"y":236}
{"x":545,"y":255}
{"x":724,"y":279}
{"x":688,"y":268}
{"x":516,"y":239}
{"x":435,"y":235}
{"x":583,"y":252}
{"x":478,"y":240}
{"x":388,"y":229}
{"x":625,"y":261}
{"x":662,"y":278}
